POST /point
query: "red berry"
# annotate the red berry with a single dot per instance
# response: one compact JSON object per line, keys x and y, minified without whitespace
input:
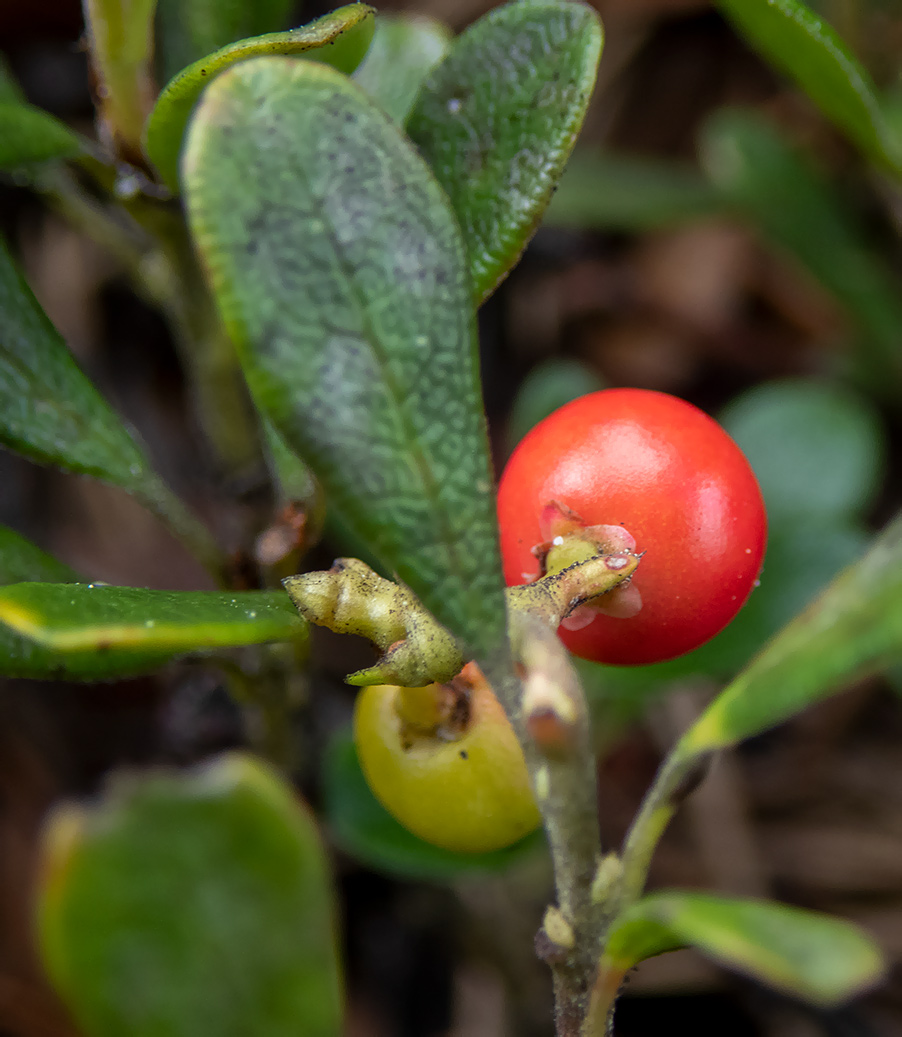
{"x":672,"y":479}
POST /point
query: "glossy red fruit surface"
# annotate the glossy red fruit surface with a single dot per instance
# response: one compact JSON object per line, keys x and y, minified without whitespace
{"x":672,"y":477}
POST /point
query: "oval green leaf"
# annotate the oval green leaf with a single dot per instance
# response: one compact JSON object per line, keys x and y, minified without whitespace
{"x":773,"y":187}
{"x":29,"y":135}
{"x":340,"y":39}
{"x":546,"y":388}
{"x":50,"y":412}
{"x":498,"y":118}
{"x":823,"y":960}
{"x":362,"y":827}
{"x":194,"y":903}
{"x":92,"y":631}
{"x":817,"y":449}
{"x":342,"y":280}
{"x":853,"y":627}
{"x":404,"y":51}
{"x":186,"y":30}
{"x":801,"y":44}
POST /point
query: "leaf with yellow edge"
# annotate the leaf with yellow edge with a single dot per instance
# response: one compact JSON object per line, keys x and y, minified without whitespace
{"x":94,"y":631}
{"x":339,"y":39}
{"x":820,"y":959}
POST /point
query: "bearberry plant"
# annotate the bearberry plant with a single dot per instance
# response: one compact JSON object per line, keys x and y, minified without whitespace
{"x":319,"y":213}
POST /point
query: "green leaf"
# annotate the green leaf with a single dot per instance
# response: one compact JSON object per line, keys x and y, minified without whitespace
{"x":362,"y":827}
{"x":189,"y":29}
{"x":342,"y":280}
{"x":817,"y":449}
{"x":50,"y":412}
{"x":497,"y":120}
{"x":28,"y":134}
{"x":188,"y":904}
{"x":21,"y":560}
{"x":801,"y":44}
{"x":404,"y":50}
{"x":822,"y":960}
{"x":340,"y":39}
{"x":605,"y":191}
{"x":95,"y":631}
{"x":120,"y":41}
{"x":855,"y":626}
{"x":777,"y":190}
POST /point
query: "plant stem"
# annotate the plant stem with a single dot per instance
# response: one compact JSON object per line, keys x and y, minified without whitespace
{"x":549,"y":714}
{"x":677,"y":776}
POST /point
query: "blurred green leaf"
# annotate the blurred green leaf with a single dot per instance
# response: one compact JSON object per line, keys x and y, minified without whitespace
{"x":800,"y":43}
{"x":497,"y":120}
{"x":21,"y":560}
{"x":95,"y":631}
{"x":546,"y":388}
{"x":782,"y":194}
{"x":823,"y":960}
{"x":50,"y":412}
{"x":28,"y":134}
{"x":855,"y":626}
{"x":816,"y":449}
{"x":362,"y":827}
{"x":404,"y":50}
{"x":605,"y":191}
{"x":340,"y":39}
{"x":342,"y":279}
{"x":189,"y":29}
{"x":189,"y":904}
{"x":120,"y":45}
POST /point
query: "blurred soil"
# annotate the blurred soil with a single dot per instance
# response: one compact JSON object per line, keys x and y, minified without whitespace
{"x":811,"y":814}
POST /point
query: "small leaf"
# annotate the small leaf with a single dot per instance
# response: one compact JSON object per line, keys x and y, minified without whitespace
{"x":498,"y":118}
{"x":817,"y":449}
{"x":28,"y":134}
{"x":21,"y":560}
{"x":362,"y":827}
{"x":800,"y":43}
{"x":855,"y":626}
{"x":545,"y":389}
{"x":50,"y":412}
{"x":188,"y":904}
{"x":342,"y":280}
{"x":189,"y":29}
{"x":404,"y":50}
{"x":120,"y":39}
{"x":96,"y":631}
{"x":340,"y":39}
{"x":778,"y":191}
{"x":606,"y":191}
{"x":822,"y":960}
